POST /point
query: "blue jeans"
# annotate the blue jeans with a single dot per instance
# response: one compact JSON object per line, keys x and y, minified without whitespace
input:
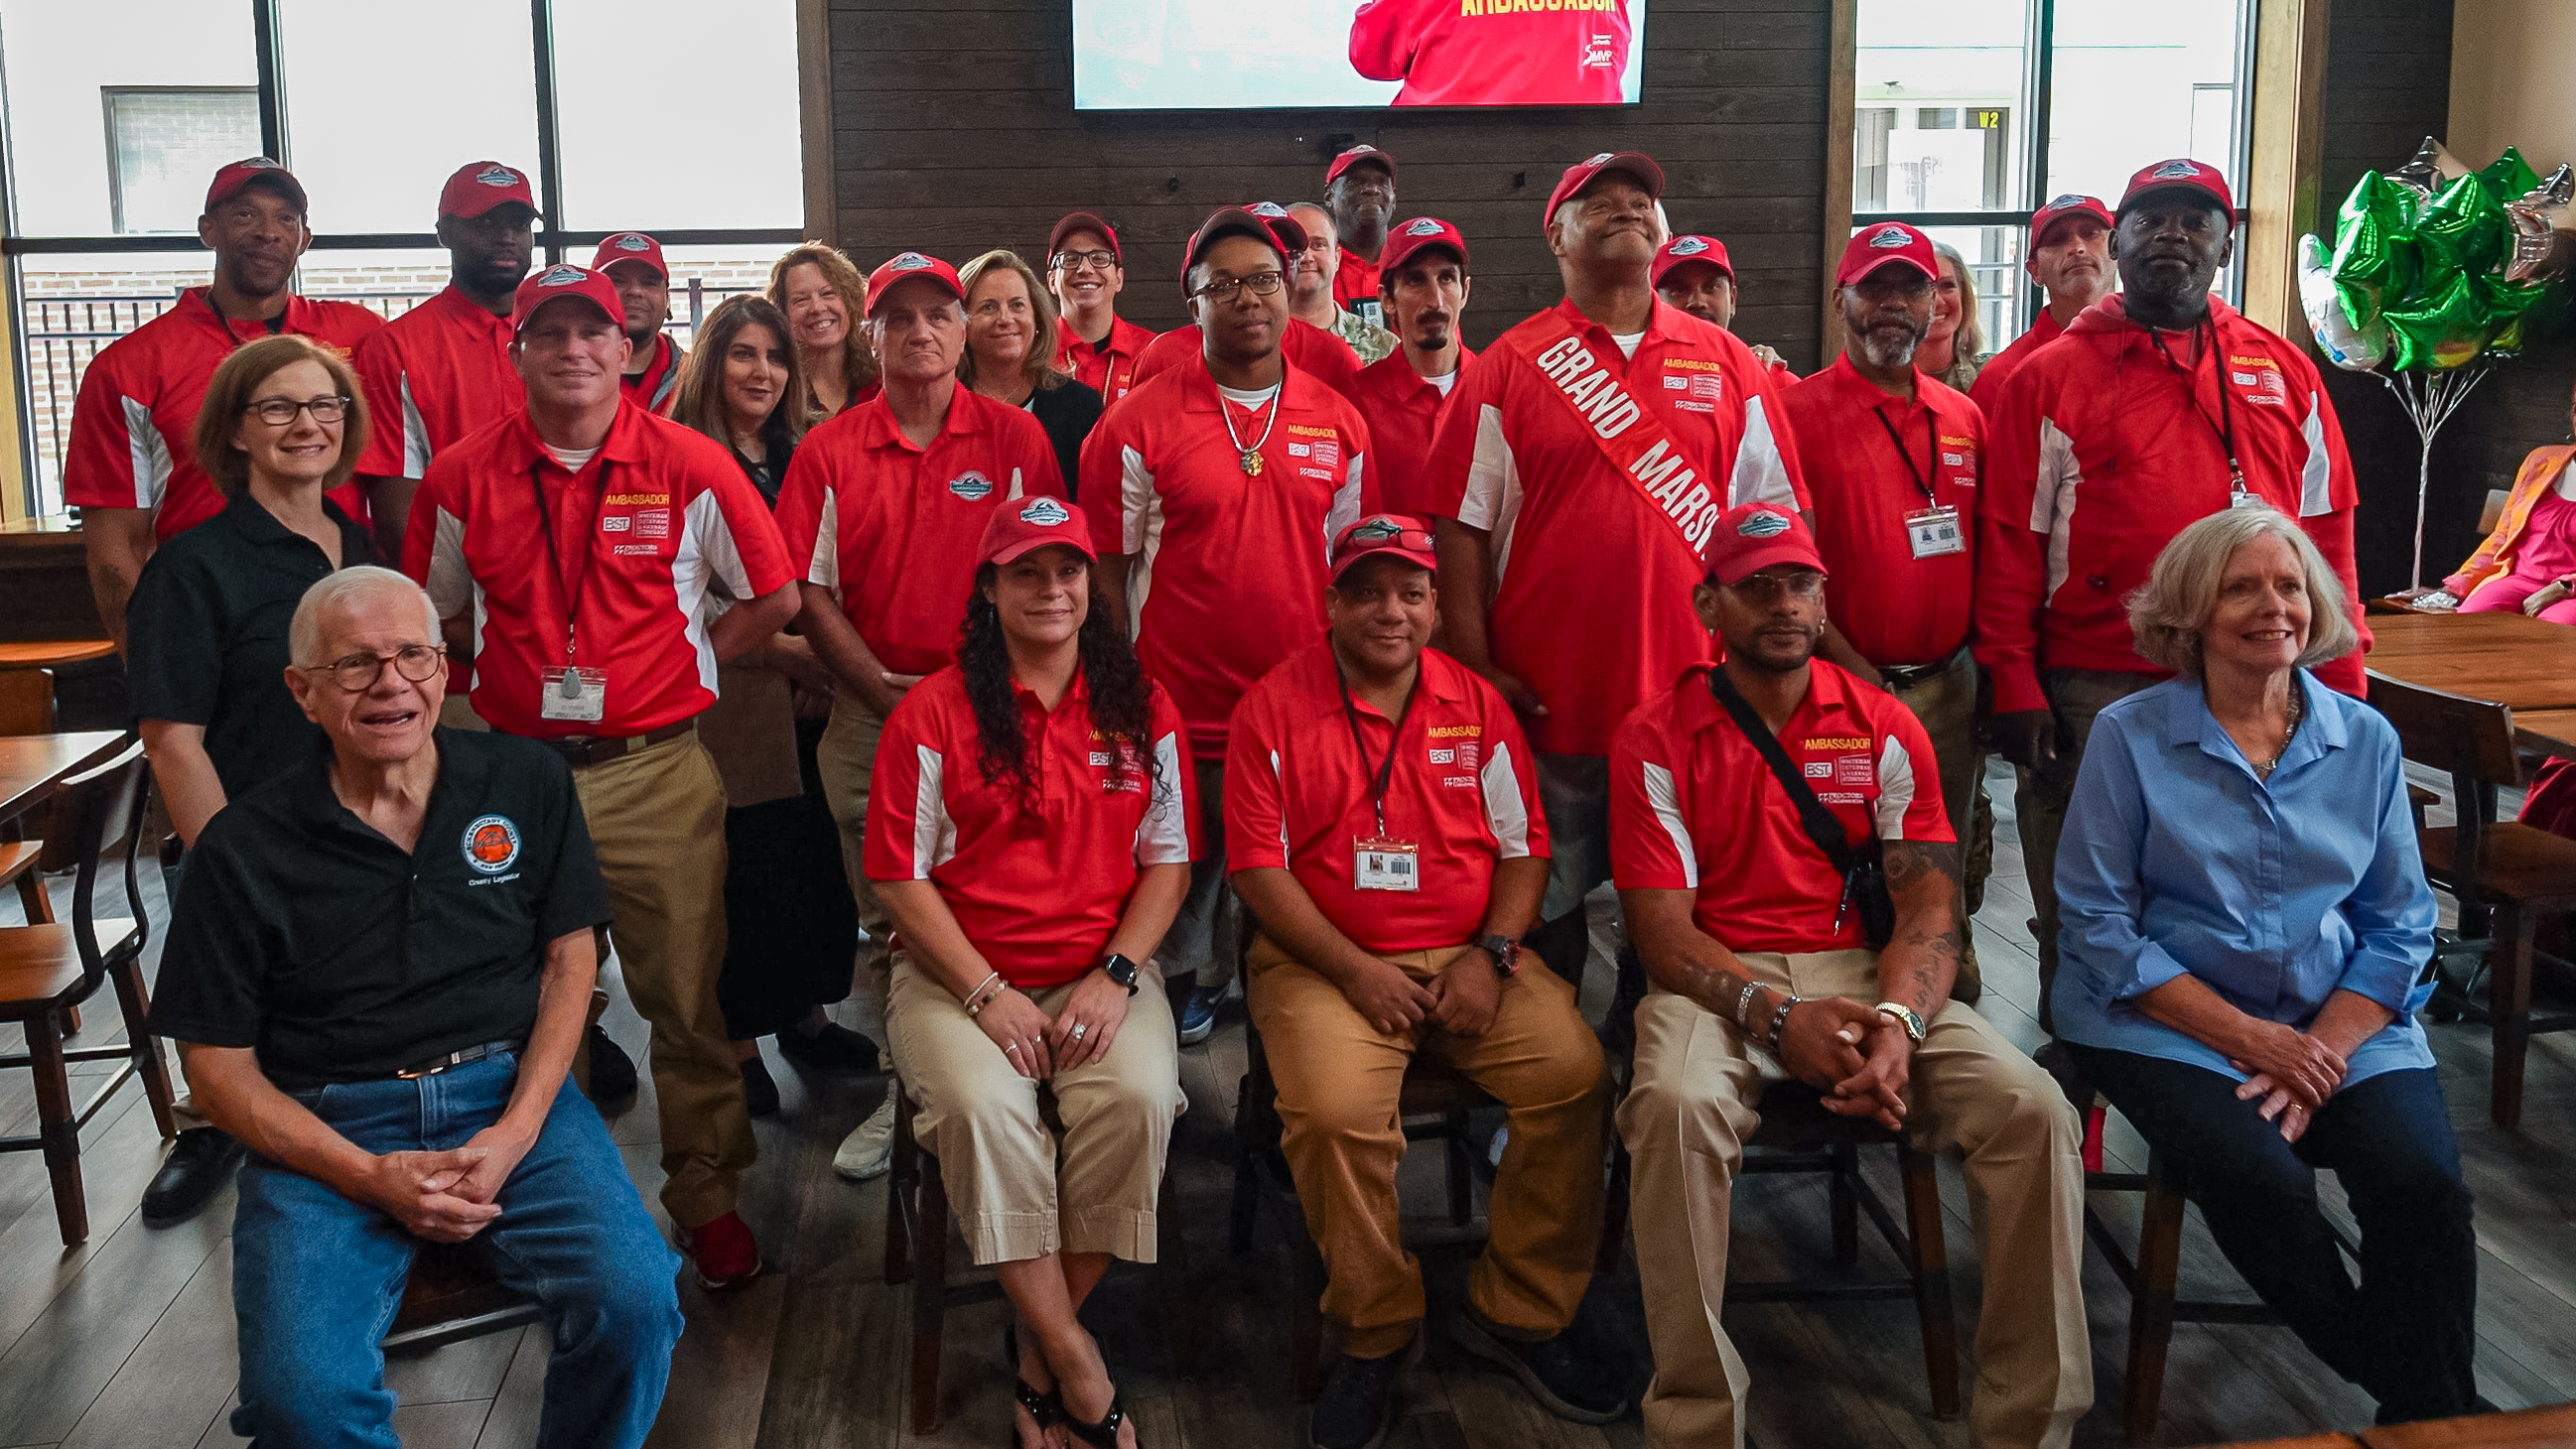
{"x":317,"y":1277}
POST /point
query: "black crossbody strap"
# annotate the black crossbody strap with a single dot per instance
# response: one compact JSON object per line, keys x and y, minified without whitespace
{"x":1822,"y":827}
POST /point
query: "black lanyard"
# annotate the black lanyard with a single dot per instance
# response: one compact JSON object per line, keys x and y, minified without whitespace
{"x":1382,"y":773}
{"x":1931,"y":450}
{"x":2224,"y":429}
{"x":571,"y":591}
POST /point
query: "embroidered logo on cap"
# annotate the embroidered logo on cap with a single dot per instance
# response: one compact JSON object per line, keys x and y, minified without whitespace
{"x":1362,"y":149}
{"x":910,"y":262}
{"x":1887,"y":238}
{"x":1597,"y":160}
{"x":632,"y":242}
{"x":563,"y":274}
{"x":1762,"y":525}
{"x":1045,"y":513}
{"x":1689,"y":246}
{"x":1267,"y":208}
{"x":971,"y":485}
{"x":2060,"y":203}
{"x":259,"y":163}
{"x":1425,"y":227}
{"x":497,"y":176}
{"x":491,"y":844}
{"x":2176,"y":171}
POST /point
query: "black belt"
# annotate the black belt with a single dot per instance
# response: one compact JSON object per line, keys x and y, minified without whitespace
{"x":579,"y":750}
{"x":436,"y":1065}
{"x":1906,"y":676}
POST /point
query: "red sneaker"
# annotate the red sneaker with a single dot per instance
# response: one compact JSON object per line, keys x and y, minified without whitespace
{"x":724,"y":1252}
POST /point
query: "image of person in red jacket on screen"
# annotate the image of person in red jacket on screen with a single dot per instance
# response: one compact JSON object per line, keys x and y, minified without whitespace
{"x":1495,"y":52}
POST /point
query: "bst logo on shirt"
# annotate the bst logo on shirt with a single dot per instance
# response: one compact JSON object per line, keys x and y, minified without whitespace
{"x":1852,"y":770}
{"x":1321,"y":452}
{"x":1960,"y":453}
{"x":1699,"y":382}
{"x":2260,"y":373}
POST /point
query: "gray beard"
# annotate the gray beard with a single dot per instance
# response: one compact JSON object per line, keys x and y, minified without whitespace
{"x":1888,"y":354}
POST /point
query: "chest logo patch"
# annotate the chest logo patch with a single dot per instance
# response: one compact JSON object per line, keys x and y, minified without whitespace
{"x":491,"y":844}
{"x":971,"y":485}
{"x":652,"y":523}
{"x":1855,"y":770}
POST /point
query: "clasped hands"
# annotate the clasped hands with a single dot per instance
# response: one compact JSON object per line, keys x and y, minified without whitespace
{"x":2292,"y":1073}
{"x":1039,"y":1046}
{"x":1860,"y":1059}
{"x":449,"y":1196}
{"x":1461,"y":999}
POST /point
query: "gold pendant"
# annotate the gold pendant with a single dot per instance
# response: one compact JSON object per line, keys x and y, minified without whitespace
{"x":1251,"y":463}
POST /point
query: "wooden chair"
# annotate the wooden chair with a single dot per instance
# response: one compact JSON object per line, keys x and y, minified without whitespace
{"x":2404,"y":603}
{"x":2152,"y":1276}
{"x":2507,"y":877}
{"x":48,"y":968}
{"x":916,"y":1248}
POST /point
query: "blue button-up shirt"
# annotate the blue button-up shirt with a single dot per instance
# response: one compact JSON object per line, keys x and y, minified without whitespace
{"x":2274,"y":893}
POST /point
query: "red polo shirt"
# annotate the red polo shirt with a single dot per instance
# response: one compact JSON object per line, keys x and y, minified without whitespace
{"x":1107,"y":367}
{"x":659,"y":382}
{"x":1494,"y":52}
{"x":1592,"y":598}
{"x":1464,"y":788}
{"x":1311,"y":350}
{"x":673,"y":514}
{"x":1401,"y":407}
{"x":1694,"y":807}
{"x":434,"y":374}
{"x":894,"y":529}
{"x":1895,"y":609}
{"x":1988,"y":389}
{"x":1355,"y":281}
{"x":134,"y":424}
{"x":1230,"y":570}
{"x":1038,"y":887}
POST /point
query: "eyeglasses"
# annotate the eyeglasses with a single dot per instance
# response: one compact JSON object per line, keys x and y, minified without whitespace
{"x":1411,"y":539}
{"x":1263,"y":284}
{"x":1076,"y":261}
{"x":277,"y":412}
{"x":359,"y":672}
{"x":1764,"y":588}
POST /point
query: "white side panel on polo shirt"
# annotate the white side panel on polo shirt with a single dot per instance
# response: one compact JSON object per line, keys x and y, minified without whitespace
{"x":1506,"y":811}
{"x":1896,"y":788}
{"x":2316,"y":475}
{"x":451,"y":583}
{"x":415,"y":435}
{"x":149,"y":451}
{"x":823,"y":553}
{"x":1140,"y":531}
{"x":1492,"y":501}
{"x":706,"y":554}
{"x":1667,"y":800}
{"x":1761,"y":475}
{"x":934,"y":835}
{"x":1163,"y":836}
{"x":2052,"y":501}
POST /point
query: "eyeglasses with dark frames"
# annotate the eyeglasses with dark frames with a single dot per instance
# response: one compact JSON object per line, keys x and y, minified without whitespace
{"x":1263,"y":284}
{"x":1075,"y":261}
{"x":277,"y":412}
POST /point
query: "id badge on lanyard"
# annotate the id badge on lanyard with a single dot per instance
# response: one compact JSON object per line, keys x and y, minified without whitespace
{"x":573,"y":693}
{"x":1934,"y":532}
{"x":568,"y":691}
{"x":1380,"y":862}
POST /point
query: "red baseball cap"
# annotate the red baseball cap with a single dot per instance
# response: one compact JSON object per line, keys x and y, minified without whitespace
{"x":230,"y":180}
{"x":1235,"y":221}
{"x":1016,"y":528}
{"x":1580,"y":174}
{"x":1683,"y":249}
{"x":1752,"y":537}
{"x":563,"y":279}
{"x":1085,"y":221}
{"x":1286,"y":227}
{"x":1406,"y":238}
{"x":2186,"y":174}
{"x":1878,"y":245}
{"x":631,"y":246}
{"x":1396,"y":535}
{"x":2062,"y":207}
{"x":906,"y":265}
{"x":1356,"y":155}
{"x":479,"y":186}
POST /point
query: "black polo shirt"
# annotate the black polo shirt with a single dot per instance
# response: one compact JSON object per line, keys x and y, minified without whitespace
{"x":205,"y":635}
{"x":302,"y":932}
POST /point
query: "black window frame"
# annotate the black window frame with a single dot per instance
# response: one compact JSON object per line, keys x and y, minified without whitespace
{"x":107,"y":99}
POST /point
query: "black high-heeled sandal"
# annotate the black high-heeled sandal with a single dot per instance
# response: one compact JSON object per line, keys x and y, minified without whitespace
{"x":1046,"y":1409}
{"x":1103,"y":1435}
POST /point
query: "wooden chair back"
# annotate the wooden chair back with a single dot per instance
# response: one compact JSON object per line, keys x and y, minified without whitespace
{"x":2470,"y":739}
{"x":2490,"y":515}
{"x":97,"y":819}
{"x":26,"y":702}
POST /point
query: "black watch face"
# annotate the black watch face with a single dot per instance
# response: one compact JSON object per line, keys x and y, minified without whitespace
{"x":1120,"y":969}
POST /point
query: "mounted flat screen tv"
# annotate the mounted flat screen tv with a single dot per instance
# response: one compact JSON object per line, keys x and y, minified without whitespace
{"x":1148,"y":55}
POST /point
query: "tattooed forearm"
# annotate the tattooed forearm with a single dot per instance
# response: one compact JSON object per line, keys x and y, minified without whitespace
{"x":1922,"y":957}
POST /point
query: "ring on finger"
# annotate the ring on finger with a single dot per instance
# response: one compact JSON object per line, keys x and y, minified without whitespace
{"x":1011,"y":1047}
{"x":1078,"y":1029}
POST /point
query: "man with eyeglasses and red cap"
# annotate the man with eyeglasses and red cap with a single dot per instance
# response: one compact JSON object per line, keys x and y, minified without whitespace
{"x":1694,"y":273}
{"x":1214,"y":492}
{"x":131,"y":467}
{"x":442,"y":369}
{"x":1313,"y":350}
{"x":1424,"y":287}
{"x":632,"y":263}
{"x":883,"y":510}
{"x":1749,"y":802}
{"x":1359,"y":195}
{"x":2070,"y":258}
{"x":1086,"y":271}
{"x":1576,"y":475}
{"x":570,"y":549}
{"x":2157,"y":407}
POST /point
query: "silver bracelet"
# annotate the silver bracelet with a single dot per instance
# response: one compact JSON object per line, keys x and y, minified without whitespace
{"x":976,"y":1000}
{"x":1744,"y":1003}
{"x":1780,"y":1019}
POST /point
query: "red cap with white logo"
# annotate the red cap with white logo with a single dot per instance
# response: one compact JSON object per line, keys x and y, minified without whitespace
{"x":1881,"y":243}
{"x":2184,"y":173}
{"x":1756,"y":536}
{"x":904,"y":266}
{"x":1237,"y":221}
{"x":1581,"y":174}
{"x":2060,"y":208}
{"x":1685,"y":249}
{"x":230,"y":180}
{"x":631,"y":246}
{"x":563,"y":279}
{"x":1407,"y":237}
{"x":479,"y":186}
{"x":1394,"y":534}
{"x":1016,"y":528}
{"x":1288,"y":229}
{"x":1356,"y":155}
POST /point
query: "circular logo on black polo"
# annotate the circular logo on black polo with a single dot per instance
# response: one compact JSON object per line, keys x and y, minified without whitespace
{"x":491,"y":844}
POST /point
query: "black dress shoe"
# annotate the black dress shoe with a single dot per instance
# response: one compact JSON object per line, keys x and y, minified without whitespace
{"x":759,"y":1090}
{"x":1356,"y":1405}
{"x":1550,"y":1368}
{"x":612,"y":1071}
{"x":200,"y":1162}
{"x":830,"y":1048}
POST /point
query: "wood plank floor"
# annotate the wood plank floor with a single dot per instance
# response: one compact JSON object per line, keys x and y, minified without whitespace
{"x":127,"y":1341}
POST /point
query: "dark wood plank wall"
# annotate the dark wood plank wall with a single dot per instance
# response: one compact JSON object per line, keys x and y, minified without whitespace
{"x":954,"y":130}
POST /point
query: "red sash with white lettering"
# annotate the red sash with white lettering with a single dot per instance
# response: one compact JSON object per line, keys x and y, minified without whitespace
{"x":1633,"y":438}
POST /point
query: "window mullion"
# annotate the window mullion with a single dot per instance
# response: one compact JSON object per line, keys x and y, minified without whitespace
{"x":549,"y":134}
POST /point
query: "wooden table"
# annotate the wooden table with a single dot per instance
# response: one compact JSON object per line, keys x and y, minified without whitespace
{"x":2549,"y":1428}
{"x":52,"y":653}
{"x":2550,"y":731}
{"x":33,"y":767}
{"x":2504,"y":658}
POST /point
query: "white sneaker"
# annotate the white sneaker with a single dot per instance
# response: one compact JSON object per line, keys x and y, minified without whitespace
{"x":869,"y":1148}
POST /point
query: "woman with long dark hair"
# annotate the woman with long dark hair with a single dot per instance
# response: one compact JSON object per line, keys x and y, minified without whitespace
{"x":1029,"y":832}
{"x":791,"y":927}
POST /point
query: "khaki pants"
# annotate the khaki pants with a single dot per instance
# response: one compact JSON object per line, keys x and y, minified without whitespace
{"x":657,"y":820}
{"x":2039,"y":800}
{"x":1015,"y":1194}
{"x":1339,"y":1079}
{"x":1946,"y":705}
{"x":846,"y":757}
{"x":1686,"y":1119}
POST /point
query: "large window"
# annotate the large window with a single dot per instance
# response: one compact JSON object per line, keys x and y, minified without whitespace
{"x":663,"y":115}
{"x":1973,"y":113}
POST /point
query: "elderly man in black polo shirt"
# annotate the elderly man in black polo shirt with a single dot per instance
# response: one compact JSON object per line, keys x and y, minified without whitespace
{"x":378,"y":968}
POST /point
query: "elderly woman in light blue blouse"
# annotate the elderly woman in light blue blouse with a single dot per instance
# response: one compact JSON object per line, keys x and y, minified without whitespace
{"x":2244,"y":923}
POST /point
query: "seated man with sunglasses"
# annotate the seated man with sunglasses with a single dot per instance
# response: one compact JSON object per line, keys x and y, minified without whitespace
{"x":378,"y":967}
{"x":1751,"y":808}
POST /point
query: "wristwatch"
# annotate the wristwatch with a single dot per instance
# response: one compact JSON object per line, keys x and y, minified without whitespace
{"x":1505,"y":950}
{"x":1906,"y":1017}
{"x":1121,"y":970}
